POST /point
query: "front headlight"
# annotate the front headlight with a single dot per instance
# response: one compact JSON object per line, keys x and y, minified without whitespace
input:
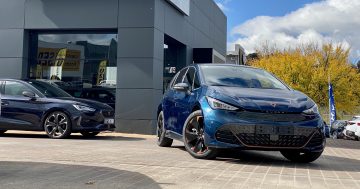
{"x":84,"y":108}
{"x":312,"y":110}
{"x":218,"y":105}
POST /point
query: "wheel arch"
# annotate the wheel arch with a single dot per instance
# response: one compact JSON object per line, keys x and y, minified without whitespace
{"x":54,"y":109}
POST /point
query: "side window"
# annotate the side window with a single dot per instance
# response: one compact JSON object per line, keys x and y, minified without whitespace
{"x":189,"y":78}
{"x":13,"y":88}
{"x":196,"y":81}
{"x":180,"y":77}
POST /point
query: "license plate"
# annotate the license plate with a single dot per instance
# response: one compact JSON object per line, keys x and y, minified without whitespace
{"x":274,"y":130}
{"x":108,"y":121}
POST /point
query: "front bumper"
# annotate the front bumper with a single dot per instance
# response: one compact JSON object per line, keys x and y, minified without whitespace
{"x":262,"y":131}
{"x":93,"y":122}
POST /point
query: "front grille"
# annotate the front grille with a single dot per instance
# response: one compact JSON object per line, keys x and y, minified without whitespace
{"x":267,"y":140}
{"x":108,"y":113}
{"x":265,"y":136}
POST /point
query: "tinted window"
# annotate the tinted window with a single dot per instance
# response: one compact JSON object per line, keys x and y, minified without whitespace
{"x":49,"y":90}
{"x":15,"y":88}
{"x":180,"y":77}
{"x":238,"y":76}
{"x":74,"y":61}
{"x":189,"y":77}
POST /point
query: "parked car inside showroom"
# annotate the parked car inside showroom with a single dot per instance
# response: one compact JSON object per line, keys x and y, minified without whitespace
{"x":217,"y":106}
{"x":33,"y":105}
{"x":101,"y":94}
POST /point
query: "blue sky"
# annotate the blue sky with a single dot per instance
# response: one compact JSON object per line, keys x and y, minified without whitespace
{"x":287,"y":23}
{"x":239,"y":11}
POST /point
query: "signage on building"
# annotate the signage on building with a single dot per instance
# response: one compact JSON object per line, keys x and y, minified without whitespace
{"x":182,"y":5}
{"x":101,"y":71}
{"x":71,"y":61}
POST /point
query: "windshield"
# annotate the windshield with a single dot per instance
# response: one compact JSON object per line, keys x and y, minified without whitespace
{"x":49,"y":90}
{"x":238,"y":76}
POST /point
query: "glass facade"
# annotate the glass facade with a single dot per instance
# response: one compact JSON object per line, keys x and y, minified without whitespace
{"x":74,"y":61}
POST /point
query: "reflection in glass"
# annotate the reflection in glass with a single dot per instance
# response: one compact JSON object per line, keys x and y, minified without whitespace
{"x":76,"y":61}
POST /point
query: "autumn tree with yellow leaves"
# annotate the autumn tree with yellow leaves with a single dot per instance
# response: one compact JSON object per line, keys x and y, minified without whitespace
{"x":308,"y":68}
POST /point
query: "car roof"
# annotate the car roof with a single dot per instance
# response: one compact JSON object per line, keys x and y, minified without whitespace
{"x":225,"y":65}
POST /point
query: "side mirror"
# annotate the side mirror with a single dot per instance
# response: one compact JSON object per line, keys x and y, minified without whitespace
{"x":183,"y":87}
{"x":29,"y":94}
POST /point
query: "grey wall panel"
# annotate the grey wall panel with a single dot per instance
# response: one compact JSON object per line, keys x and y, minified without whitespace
{"x":12,"y":13}
{"x":11,"y":68}
{"x":137,"y":104}
{"x":11,"y":43}
{"x":66,"y":14}
{"x":136,"y":13}
{"x":176,"y":25}
{"x":159,"y":22}
{"x":139,"y":73}
{"x":135,"y":126}
{"x":136,"y":42}
{"x":158,"y":44}
{"x":204,"y":28}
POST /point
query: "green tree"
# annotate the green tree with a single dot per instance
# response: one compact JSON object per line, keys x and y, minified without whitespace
{"x":307,"y":68}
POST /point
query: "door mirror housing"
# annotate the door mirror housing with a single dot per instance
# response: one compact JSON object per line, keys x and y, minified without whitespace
{"x":183,"y":87}
{"x":29,"y":94}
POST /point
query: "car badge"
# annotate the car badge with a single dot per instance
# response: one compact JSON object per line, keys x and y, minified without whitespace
{"x":273,"y":105}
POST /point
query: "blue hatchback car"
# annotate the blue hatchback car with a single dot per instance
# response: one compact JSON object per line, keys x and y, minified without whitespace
{"x":218,"y":106}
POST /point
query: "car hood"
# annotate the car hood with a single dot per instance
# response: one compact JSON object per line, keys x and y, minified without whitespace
{"x":91,"y":103}
{"x":262,"y":99}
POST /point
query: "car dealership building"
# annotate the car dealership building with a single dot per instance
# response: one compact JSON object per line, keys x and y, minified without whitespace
{"x":135,"y":46}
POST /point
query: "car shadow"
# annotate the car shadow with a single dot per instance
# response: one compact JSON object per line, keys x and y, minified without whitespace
{"x":51,"y":176}
{"x":275,"y":159}
{"x":73,"y":137}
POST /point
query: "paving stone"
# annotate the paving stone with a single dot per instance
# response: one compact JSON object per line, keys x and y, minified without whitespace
{"x":32,"y":161}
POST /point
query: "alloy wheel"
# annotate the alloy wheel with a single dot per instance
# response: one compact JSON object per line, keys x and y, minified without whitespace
{"x":194,"y":135}
{"x":160,"y":123}
{"x":57,"y":125}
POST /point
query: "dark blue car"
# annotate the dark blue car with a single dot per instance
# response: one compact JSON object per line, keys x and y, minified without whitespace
{"x":217,"y":106}
{"x":33,"y":105}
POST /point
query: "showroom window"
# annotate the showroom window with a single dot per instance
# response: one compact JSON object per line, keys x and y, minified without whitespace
{"x":74,"y":61}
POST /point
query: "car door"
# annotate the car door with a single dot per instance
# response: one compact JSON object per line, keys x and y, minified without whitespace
{"x":170,"y":107}
{"x":185,"y":101}
{"x":18,"y":111}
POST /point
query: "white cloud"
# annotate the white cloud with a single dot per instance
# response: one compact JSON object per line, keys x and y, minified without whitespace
{"x":326,"y":21}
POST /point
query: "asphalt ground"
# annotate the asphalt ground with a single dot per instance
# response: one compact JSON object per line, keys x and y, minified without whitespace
{"x":112,"y":160}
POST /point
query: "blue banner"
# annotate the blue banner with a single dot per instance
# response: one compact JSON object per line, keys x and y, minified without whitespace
{"x":332,"y":107}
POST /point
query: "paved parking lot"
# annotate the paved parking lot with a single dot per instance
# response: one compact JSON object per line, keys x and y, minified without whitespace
{"x":29,"y":160}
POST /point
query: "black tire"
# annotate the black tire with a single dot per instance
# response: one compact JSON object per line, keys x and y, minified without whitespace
{"x":2,"y":132}
{"x":297,"y":156}
{"x":57,"y":125}
{"x":89,"y":134}
{"x":162,"y":141}
{"x":193,"y":137}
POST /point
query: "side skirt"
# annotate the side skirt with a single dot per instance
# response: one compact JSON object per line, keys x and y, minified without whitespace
{"x":174,"y":135}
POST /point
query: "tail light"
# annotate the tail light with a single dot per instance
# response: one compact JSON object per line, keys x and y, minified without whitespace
{"x":358,"y":124}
